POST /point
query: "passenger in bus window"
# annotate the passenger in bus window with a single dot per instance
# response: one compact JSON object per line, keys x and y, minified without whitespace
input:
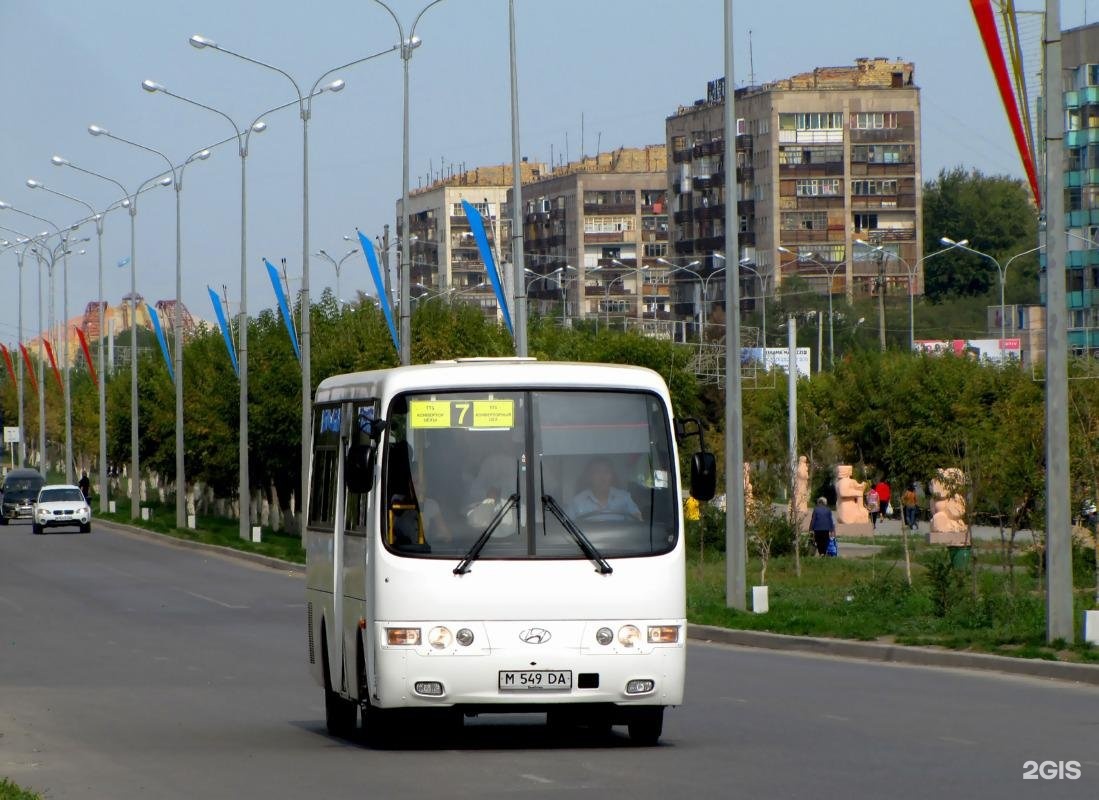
{"x":602,"y":500}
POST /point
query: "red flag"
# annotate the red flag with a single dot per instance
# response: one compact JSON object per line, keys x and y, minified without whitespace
{"x":7,"y":361}
{"x":30,"y":369}
{"x":87,"y":355}
{"x":53,"y":363}
{"x":986,"y":24}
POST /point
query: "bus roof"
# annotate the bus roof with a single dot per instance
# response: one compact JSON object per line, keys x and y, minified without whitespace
{"x":495,"y":373}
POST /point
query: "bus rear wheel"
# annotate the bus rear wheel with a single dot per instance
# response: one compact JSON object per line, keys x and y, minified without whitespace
{"x":339,"y":715}
{"x":646,"y":726}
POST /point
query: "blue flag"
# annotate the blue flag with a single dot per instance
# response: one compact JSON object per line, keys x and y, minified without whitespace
{"x":224,"y":325}
{"x":123,"y":262}
{"x":379,"y":285}
{"x":284,"y":307}
{"x":477,"y":225}
{"x":155,"y":319}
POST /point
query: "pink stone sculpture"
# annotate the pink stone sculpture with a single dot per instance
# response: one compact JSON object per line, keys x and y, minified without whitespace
{"x":801,"y":486}
{"x":850,"y":509}
{"x":948,"y":525}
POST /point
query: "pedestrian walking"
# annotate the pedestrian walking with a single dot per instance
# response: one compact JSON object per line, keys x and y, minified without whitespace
{"x":85,"y":486}
{"x":910,"y":507}
{"x":873,"y":505}
{"x":823,"y":526}
{"x":884,"y":494}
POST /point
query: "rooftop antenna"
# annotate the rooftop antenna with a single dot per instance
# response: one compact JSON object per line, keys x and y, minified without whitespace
{"x":598,"y":144}
{"x":751,"y":61}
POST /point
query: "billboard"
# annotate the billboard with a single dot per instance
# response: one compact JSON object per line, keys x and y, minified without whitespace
{"x":777,"y":358}
{"x":991,"y":351}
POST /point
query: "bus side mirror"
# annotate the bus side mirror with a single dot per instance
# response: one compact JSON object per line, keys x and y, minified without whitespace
{"x":358,"y":468}
{"x":703,"y":476}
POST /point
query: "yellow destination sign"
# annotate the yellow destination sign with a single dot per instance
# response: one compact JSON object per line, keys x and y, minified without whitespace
{"x":429,"y":413}
{"x":493,"y":413}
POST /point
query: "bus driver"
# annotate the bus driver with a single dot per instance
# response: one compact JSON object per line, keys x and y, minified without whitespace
{"x":602,"y":500}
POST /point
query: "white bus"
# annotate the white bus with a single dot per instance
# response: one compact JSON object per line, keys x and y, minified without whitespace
{"x":494,"y":535}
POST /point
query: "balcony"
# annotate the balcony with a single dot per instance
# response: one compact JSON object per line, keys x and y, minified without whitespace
{"x":884,"y":201}
{"x":679,"y":156}
{"x":682,"y":216}
{"x":605,"y":238}
{"x":903,"y":135}
{"x":823,"y":170}
{"x":716,"y":211}
{"x":609,"y":209}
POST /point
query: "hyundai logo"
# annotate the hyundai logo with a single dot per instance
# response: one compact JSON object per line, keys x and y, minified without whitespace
{"x":535,"y":635}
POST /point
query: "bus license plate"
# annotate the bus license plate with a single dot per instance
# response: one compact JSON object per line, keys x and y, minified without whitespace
{"x":553,"y":680}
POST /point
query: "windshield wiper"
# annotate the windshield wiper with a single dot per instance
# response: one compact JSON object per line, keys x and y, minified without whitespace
{"x":601,"y":565}
{"x":482,"y":540}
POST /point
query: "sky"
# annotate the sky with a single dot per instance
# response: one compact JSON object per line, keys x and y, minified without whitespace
{"x":621,"y":66}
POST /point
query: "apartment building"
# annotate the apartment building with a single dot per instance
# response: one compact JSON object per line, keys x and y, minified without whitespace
{"x":1080,"y":59}
{"x":445,"y":258}
{"x":596,"y":236}
{"x":824,"y":159}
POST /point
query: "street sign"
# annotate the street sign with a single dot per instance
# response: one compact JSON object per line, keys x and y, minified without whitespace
{"x":11,"y":435}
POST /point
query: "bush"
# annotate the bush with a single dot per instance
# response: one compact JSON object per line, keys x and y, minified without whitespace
{"x":945,"y":585}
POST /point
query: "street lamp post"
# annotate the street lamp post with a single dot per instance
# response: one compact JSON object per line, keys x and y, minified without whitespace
{"x":243,"y":139}
{"x":1001,"y":271}
{"x":101,"y":389}
{"x":407,"y":46}
{"x":688,"y":269}
{"x":336,"y":264}
{"x":131,"y":203}
{"x":305,"y":110}
{"x":831,"y":283}
{"x":177,"y":317}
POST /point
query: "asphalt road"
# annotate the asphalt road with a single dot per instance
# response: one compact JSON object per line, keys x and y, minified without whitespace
{"x":130,"y":669}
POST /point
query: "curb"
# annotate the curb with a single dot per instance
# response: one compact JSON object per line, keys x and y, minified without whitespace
{"x":217,"y":549}
{"x":843,"y":648}
{"x":897,"y":654}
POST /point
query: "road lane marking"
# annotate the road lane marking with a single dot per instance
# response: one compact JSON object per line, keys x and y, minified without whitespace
{"x":535,"y":778}
{"x":956,"y":740}
{"x":211,"y":600}
{"x":836,"y":716}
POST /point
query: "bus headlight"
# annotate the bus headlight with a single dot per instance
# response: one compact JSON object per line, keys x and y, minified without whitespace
{"x":663,"y":634}
{"x":406,"y":636}
{"x":465,"y":637}
{"x":440,"y":638}
{"x":628,"y":635}
{"x":604,"y":636}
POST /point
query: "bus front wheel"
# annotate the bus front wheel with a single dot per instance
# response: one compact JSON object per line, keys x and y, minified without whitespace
{"x":646,"y":726}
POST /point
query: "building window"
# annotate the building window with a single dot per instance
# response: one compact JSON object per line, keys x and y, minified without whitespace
{"x":872,"y":188}
{"x":608,"y":224}
{"x":802,"y":154}
{"x":874,"y":120}
{"x":656,"y":250}
{"x":485,"y":209}
{"x":805,"y":220}
{"x":881,"y":154}
{"x":814,"y":121}
{"x":679,"y":142}
{"x":818,"y":187}
{"x":866,"y":222}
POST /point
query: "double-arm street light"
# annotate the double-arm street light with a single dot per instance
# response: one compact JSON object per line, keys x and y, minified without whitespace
{"x":177,"y":317}
{"x":131,"y":204}
{"x":322,"y":253}
{"x":639,"y":286}
{"x":408,"y":45}
{"x":101,"y":390}
{"x":243,"y":139}
{"x":672,"y":268}
{"x":1001,"y":270}
{"x":305,"y":111}
{"x":831,"y":271}
{"x":748,"y":264}
{"x":65,"y":270}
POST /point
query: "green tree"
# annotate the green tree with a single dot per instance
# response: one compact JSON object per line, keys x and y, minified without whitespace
{"x":996,"y":214}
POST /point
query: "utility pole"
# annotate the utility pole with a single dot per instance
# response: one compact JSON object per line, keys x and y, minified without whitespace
{"x":735,"y":554}
{"x":792,"y":431}
{"x":1059,"y":622}
{"x":879,"y":255}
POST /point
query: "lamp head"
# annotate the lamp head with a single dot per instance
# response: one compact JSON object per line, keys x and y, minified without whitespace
{"x":4,"y":205}
{"x":719,"y":255}
{"x":947,"y":241}
{"x":963,"y":243}
{"x":165,"y":181}
{"x":694,"y":263}
{"x":335,"y":86}
{"x":259,"y":127}
{"x":201,"y":42}
{"x":126,"y":203}
{"x":786,"y":250}
{"x":58,"y":161}
{"x":33,"y":184}
{"x":201,"y":155}
{"x":152,"y":86}
{"x":96,"y":130}
{"x":414,"y":42}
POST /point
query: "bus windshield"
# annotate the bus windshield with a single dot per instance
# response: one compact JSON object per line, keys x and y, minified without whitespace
{"x":538,"y":467}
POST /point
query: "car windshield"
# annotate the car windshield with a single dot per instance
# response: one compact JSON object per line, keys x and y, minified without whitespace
{"x":594,"y":462}
{"x":22,"y":487}
{"x":60,"y":496}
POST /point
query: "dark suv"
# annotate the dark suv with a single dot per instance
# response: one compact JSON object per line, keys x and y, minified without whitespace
{"x":19,"y":493}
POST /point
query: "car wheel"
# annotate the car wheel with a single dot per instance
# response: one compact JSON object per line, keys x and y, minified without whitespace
{"x":36,"y":529}
{"x":3,"y":520}
{"x":87,"y":528}
{"x":645,"y":728}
